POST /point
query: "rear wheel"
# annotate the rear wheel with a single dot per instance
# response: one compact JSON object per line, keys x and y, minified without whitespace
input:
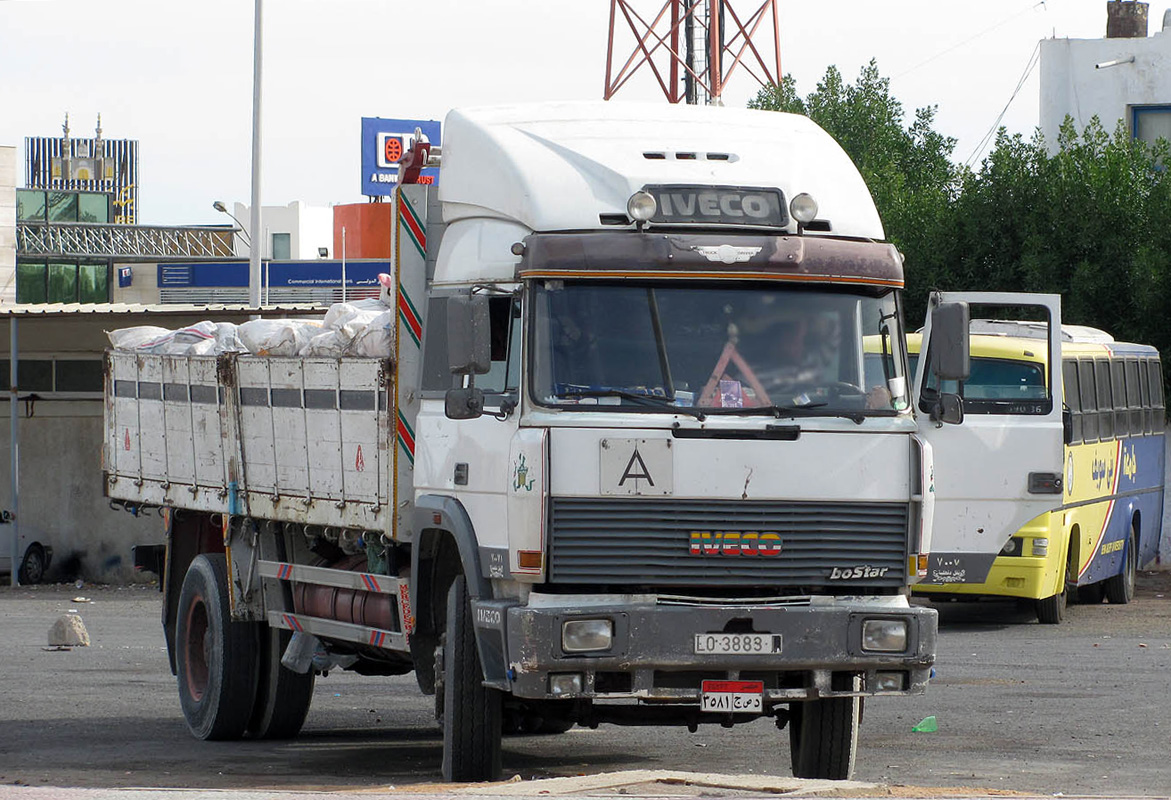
{"x":471,"y":711}
{"x":215,"y":657}
{"x":823,"y":737}
{"x":32,"y":569}
{"x":282,"y":696}
{"x":1120,"y":587}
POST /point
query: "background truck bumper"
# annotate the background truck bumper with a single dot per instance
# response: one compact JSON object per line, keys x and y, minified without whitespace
{"x":653,"y":653}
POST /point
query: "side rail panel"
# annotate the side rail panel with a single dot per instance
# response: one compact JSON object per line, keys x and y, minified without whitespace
{"x":286,"y":439}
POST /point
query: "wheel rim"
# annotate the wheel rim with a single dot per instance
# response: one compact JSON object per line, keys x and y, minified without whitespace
{"x":195,"y":655}
{"x":34,"y":567}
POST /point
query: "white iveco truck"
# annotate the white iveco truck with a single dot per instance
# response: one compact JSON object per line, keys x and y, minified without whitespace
{"x":646,"y":452}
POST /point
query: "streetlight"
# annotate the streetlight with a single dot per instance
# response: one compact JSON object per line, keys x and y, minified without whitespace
{"x":219,"y":206}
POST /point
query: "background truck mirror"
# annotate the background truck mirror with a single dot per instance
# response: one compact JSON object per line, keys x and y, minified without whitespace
{"x":949,"y":341}
{"x":468,"y":344}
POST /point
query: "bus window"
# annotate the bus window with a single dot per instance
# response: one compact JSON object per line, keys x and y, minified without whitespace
{"x":1157,"y":392}
{"x":1105,"y":400}
{"x":1134,"y":403}
{"x":1118,"y":384}
{"x":1145,"y":388}
{"x":1073,"y":399}
{"x":1085,"y":374}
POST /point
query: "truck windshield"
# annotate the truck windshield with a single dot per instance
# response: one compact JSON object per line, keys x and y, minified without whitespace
{"x":752,"y":348}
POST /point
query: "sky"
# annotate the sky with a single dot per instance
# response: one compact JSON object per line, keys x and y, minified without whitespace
{"x":177,"y":75}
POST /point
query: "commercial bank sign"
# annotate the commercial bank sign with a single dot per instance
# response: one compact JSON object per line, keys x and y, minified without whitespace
{"x":384,"y":143}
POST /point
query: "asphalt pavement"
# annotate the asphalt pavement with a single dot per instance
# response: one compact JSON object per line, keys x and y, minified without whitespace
{"x":1080,"y":709}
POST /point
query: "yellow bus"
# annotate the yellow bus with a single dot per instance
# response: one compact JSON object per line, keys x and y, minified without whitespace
{"x":1110,"y":519}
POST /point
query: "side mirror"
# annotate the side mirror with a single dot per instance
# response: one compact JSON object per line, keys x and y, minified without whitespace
{"x":468,"y":344}
{"x":949,"y":349}
{"x":464,"y":403}
{"x":949,"y":409}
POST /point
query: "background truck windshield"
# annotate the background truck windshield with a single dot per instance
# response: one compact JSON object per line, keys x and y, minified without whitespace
{"x":719,"y":349}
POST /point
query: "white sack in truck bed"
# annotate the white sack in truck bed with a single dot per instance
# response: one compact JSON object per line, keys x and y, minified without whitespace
{"x":362,"y":328}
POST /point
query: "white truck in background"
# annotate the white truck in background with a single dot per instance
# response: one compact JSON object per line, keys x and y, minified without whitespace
{"x":646,"y":452}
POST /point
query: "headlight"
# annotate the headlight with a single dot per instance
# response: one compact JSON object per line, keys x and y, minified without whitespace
{"x":1041,"y":547}
{"x":1012,"y":547}
{"x":803,"y":208}
{"x":884,"y":635}
{"x":586,"y":635}
{"x":641,"y":206}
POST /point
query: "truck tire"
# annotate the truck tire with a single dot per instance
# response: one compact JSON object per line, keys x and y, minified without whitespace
{"x":823,"y":737}
{"x":1120,"y":587}
{"x":471,"y":711}
{"x":282,"y":696}
{"x":215,"y":657}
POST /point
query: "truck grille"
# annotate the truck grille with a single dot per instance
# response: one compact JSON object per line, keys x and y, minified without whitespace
{"x":620,"y":542}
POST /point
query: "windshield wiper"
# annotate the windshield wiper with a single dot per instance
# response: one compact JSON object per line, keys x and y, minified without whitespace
{"x":645,"y":399}
{"x":790,"y":412}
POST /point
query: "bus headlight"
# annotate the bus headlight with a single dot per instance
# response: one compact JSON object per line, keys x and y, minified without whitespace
{"x":884,"y":635}
{"x":1041,"y":547}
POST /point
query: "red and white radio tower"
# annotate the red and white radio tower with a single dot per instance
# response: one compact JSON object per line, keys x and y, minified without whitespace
{"x":693,"y":47}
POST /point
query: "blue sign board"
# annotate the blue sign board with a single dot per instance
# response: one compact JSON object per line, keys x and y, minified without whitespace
{"x":281,"y":274}
{"x":384,"y":143}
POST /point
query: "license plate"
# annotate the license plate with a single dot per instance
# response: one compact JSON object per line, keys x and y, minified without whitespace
{"x":733,"y":697}
{"x":737,"y":643}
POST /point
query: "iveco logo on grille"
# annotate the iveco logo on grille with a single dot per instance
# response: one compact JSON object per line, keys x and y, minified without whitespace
{"x":735,"y":543}
{"x":719,"y":205}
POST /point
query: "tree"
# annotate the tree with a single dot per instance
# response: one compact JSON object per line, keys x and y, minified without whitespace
{"x":908,"y":169}
{"x":1091,"y":222}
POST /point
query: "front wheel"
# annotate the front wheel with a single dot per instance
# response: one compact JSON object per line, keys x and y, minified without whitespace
{"x":471,"y":711}
{"x":216,"y":658}
{"x":1120,"y":587}
{"x":823,"y":737}
{"x":1051,"y":610}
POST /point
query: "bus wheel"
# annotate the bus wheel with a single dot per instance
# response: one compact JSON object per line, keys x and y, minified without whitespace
{"x":471,"y":711}
{"x":282,"y":696}
{"x":216,"y":658}
{"x":1120,"y":588}
{"x":823,"y":737}
{"x":1051,"y":610}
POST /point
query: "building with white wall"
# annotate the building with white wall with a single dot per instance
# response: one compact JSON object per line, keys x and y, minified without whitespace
{"x":296,"y":231}
{"x":7,"y":224}
{"x":1115,"y":79}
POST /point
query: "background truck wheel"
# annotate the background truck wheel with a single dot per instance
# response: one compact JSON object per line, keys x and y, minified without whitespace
{"x":216,"y":658}
{"x":471,"y":711}
{"x":32,"y":569}
{"x":823,"y":737}
{"x":282,"y":696}
{"x":1120,"y":588}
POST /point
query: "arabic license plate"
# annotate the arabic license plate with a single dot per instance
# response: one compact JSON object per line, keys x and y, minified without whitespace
{"x":733,"y":697}
{"x":737,"y":643}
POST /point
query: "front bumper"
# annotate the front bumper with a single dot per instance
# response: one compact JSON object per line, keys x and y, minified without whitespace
{"x":653,"y":658}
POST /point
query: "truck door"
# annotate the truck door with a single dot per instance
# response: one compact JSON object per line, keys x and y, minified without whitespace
{"x":1000,"y":466}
